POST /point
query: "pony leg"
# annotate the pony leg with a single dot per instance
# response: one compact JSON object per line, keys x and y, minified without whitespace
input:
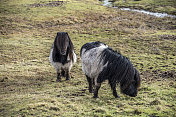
{"x":97,"y":87}
{"x":67,"y":75}
{"x":63,"y":73}
{"x":113,"y":87}
{"x":58,"y":77}
{"x":90,"y":84}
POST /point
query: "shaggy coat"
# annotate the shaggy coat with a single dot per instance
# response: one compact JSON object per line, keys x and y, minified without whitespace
{"x":100,"y":63}
{"x":62,"y":55}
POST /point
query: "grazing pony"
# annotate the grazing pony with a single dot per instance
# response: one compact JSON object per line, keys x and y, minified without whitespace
{"x":62,"y":55}
{"x":100,"y":63}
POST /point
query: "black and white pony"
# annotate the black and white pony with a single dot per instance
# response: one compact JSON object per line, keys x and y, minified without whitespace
{"x":62,"y":55}
{"x":100,"y":63}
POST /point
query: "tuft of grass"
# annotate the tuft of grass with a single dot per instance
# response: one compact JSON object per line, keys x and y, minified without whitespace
{"x":28,"y":84}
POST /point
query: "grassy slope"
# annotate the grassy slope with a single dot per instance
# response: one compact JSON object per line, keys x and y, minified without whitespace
{"x":166,"y":6}
{"x":27,"y":81}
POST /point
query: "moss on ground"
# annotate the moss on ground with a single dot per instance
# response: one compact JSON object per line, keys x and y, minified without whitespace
{"x":27,"y":80}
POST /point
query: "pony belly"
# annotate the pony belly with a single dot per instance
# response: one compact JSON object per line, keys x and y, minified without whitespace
{"x":59,"y":66}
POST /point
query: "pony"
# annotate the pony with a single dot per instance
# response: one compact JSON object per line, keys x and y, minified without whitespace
{"x":62,"y":55}
{"x":100,"y":63}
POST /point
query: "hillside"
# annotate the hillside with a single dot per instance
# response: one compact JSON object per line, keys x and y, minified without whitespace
{"x":28,"y":84}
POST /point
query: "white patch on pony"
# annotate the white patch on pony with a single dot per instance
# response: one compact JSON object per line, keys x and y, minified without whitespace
{"x":92,"y":65}
{"x":59,"y":66}
{"x":74,"y":57}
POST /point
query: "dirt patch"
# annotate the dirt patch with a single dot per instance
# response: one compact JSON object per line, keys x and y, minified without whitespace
{"x":165,"y":74}
{"x":137,"y":112}
{"x":168,"y":37}
{"x":151,"y":76}
{"x":4,"y":79}
{"x":76,"y":94}
{"x":54,"y":108}
{"x":168,"y":74}
{"x":155,"y":102}
{"x":49,"y":4}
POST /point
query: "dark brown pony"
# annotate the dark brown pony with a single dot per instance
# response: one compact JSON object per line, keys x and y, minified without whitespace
{"x":62,"y":55}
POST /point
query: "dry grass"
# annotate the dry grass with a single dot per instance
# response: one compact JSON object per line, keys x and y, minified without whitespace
{"x":27,"y":80}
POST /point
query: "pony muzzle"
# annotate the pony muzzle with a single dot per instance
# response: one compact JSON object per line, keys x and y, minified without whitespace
{"x":63,"y":52}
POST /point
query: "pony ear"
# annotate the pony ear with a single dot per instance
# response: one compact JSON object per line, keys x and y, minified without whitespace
{"x":59,"y":33}
{"x":56,"y":38}
{"x":137,"y":78}
{"x":67,"y":36}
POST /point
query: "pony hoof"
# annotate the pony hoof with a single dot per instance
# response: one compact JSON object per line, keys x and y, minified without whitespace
{"x":67,"y":78}
{"x":117,"y":96}
{"x":58,"y":80}
{"x":95,"y":97}
{"x":91,"y":91}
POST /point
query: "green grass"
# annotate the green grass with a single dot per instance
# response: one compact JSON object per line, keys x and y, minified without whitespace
{"x":28,"y":84}
{"x":166,"y":6}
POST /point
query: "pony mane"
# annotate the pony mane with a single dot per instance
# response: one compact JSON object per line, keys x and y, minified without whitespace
{"x":119,"y":68}
{"x":91,"y":45}
{"x":71,"y":47}
{"x":56,"y":54}
{"x":137,"y":79}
